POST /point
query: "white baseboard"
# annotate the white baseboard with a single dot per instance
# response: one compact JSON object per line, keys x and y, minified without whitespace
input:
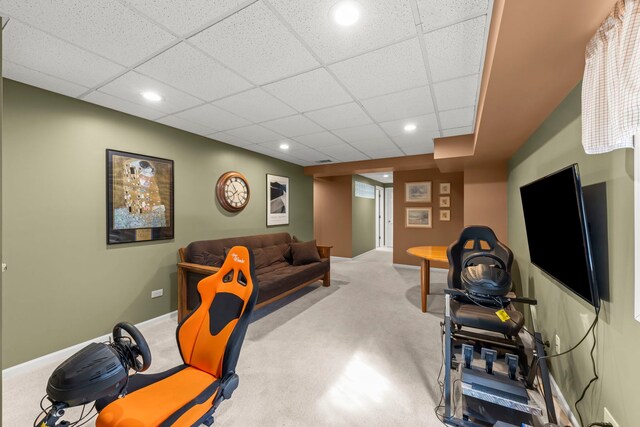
{"x":564,"y":405}
{"x":61,"y":355}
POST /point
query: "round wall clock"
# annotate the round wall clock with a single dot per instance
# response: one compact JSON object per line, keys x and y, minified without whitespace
{"x":232,"y":191}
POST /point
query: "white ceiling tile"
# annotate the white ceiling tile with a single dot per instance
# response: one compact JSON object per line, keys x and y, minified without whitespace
{"x":456,"y":51}
{"x":381,"y":23}
{"x":436,"y":13}
{"x":184,"y":16}
{"x":340,"y":116}
{"x":380,"y":177}
{"x":426,"y":124}
{"x":377,"y":143}
{"x":255,"y":105}
{"x":213,"y":117}
{"x":187,"y":125}
{"x":190,"y":70}
{"x":390,"y":69}
{"x":412,"y":150}
{"x":296,"y":150}
{"x":255,"y":134}
{"x":457,"y":118}
{"x":360,"y":133}
{"x":28,"y":47}
{"x":229,"y":139}
{"x":122,"y":105}
{"x":384,"y":153}
{"x":343,"y":153}
{"x":256,"y":44}
{"x":466,"y":130}
{"x":309,"y":91}
{"x":415,"y":139}
{"x":293,"y":126}
{"x":35,"y":78}
{"x":408,"y":103}
{"x":457,"y":93}
{"x":131,"y":85}
{"x":106,"y":27}
{"x":321,"y":139}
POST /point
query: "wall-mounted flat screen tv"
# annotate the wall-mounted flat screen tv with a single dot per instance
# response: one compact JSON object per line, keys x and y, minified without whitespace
{"x":557,"y":231}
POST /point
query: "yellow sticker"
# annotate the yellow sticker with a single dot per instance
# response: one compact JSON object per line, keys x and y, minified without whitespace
{"x":502,"y":315}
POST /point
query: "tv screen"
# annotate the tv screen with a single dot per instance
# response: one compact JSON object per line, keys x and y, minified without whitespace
{"x":557,"y":233}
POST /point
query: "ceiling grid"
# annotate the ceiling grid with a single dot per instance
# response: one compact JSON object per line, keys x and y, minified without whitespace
{"x":260,"y":73}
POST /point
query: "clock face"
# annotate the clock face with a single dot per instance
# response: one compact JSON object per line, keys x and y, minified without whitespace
{"x":233,"y":191}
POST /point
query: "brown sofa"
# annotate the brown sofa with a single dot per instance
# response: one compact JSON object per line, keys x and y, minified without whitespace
{"x":276,"y":274}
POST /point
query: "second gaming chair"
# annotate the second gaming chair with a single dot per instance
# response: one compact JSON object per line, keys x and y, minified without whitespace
{"x":209,"y":340}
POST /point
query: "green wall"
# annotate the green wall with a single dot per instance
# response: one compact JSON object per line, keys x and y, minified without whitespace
{"x":554,"y":145}
{"x":64,"y":284}
{"x":363,"y":212}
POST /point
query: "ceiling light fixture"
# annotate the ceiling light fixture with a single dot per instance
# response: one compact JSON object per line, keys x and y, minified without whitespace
{"x":151,"y":96}
{"x":346,"y":13}
{"x":386,"y":175}
{"x":284,"y":146}
{"x":410,"y":127}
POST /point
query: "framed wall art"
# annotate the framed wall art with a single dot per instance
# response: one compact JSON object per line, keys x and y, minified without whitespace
{"x":139,"y":198}
{"x":445,"y":201}
{"x":418,"y":218}
{"x":417,"y":192}
{"x":445,"y":215}
{"x":445,"y":188}
{"x":277,"y":200}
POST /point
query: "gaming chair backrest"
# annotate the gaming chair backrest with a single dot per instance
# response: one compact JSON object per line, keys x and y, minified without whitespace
{"x":473,"y":239}
{"x":210,"y":338}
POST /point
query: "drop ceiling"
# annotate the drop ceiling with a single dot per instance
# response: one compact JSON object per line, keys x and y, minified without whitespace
{"x":383,"y":177}
{"x":255,"y":74}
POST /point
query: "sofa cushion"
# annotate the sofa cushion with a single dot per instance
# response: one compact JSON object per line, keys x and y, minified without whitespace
{"x":274,"y":254}
{"x":304,"y":253}
{"x":216,"y":247}
{"x":286,"y":277}
{"x":206,"y":258}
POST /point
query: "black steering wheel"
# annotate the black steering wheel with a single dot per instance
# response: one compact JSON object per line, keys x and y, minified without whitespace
{"x":500,"y":261}
{"x":140,"y":347}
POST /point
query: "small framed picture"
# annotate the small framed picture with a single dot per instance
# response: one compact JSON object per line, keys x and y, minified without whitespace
{"x":418,"y":218}
{"x":445,"y":215}
{"x":445,"y":201}
{"x":277,"y":200}
{"x":417,"y":192}
{"x":445,"y":188}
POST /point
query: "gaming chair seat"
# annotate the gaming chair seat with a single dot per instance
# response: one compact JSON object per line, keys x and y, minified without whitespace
{"x":209,"y":340}
{"x":480,"y":244}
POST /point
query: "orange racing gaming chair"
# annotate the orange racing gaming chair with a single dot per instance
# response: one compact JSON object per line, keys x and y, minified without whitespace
{"x":209,"y":340}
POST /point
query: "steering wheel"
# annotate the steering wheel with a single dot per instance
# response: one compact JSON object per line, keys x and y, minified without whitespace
{"x":140,"y":347}
{"x":467,"y":260}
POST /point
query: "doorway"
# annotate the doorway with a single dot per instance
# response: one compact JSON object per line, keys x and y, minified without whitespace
{"x":380,"y":217}
{"x":388,"y":214}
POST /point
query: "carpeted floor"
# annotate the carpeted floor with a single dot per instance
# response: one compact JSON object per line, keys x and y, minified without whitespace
{"x":359,"y":353}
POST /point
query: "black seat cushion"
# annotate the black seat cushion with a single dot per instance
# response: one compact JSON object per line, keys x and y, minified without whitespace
{"x":474,"y":316}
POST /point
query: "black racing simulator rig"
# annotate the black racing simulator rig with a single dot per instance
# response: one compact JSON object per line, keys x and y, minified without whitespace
{"x":209,"y":340}
{"x":480,"y":319}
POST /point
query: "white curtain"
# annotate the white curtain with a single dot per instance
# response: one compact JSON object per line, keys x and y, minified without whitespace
{"x":611,"y":84}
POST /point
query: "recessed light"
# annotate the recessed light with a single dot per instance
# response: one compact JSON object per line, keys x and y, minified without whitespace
{"x":410,"y":127}
{"x":284,"y":146}
{"x":386,"y":175}
{"x":151,"y":96}
{"x":346,"y":13}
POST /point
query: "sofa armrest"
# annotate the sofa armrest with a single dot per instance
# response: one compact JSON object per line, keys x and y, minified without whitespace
{"x":324,"y":251}
{"x":183,"y":269}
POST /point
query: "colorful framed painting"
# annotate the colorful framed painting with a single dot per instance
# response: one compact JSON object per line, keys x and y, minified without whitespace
{"x":139,"y":198}
{"x":418,"y":218}
{"x":277,"y":200}
{"x":417,"y":192}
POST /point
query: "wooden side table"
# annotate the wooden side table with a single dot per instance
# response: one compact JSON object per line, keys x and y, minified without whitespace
{"x":427,"y":254}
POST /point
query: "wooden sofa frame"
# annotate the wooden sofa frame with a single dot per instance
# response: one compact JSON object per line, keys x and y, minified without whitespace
{"x":185,"y":268}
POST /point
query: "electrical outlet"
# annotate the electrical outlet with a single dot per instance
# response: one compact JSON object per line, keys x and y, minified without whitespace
{"x":157,"y":293}
{"x":609,"y":419}
{"x":4,"y":267}
{"x":557,"y":344}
